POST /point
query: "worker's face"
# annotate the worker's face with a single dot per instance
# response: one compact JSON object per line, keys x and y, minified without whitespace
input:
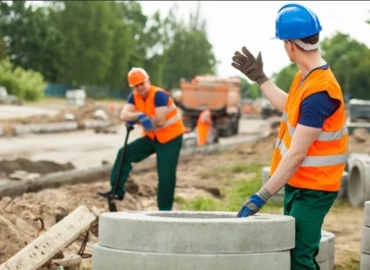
{"x":142,"y":88}
{"x":290,"y":49}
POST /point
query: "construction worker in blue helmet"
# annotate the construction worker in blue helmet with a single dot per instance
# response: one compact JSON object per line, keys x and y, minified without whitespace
{"x":310,"y":151}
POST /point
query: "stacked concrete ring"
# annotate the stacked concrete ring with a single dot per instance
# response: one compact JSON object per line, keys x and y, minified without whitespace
{"x":359,"y":181}
{"x":325,"y":257}
{"x":193,"y":240}
{"x":279,"y":197}
{"x":365,"y":239}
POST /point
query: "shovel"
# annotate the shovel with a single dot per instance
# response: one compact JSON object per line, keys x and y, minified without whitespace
{"x":111,"y":200}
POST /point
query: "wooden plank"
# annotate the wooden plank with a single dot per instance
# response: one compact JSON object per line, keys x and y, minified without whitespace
{"x":45,"y":247}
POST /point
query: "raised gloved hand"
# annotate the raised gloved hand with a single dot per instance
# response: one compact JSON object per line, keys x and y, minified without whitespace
{"x":146,"y":122}
{"x":254,"y":203}
{"x":250,"y":66}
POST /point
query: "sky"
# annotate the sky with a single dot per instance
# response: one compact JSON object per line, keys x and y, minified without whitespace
{"x":233,"y":24}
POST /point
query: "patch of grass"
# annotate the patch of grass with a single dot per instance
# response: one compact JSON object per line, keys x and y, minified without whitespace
{"x":349,"y":265}
{"x":235,"y":192}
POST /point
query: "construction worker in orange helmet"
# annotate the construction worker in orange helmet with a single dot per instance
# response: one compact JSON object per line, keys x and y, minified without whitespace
{"x":204,"y":128}
{"x":310,"y":151}
{"x":163,"y":131}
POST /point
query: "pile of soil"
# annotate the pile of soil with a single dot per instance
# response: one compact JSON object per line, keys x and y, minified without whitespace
{"x":42,"y":167}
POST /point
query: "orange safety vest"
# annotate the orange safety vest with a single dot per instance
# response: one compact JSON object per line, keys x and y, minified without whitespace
{"x":203,"y":125}
{"x":325,"y":161}
{"x":173,"y":125}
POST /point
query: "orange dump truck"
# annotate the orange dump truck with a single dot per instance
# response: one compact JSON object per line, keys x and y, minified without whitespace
{"x":220,"y":96}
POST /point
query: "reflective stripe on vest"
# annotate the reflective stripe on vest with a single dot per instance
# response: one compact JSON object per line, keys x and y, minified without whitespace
{"x":172,"y":120}
{"x":324,"y":135}
{"x":315,"y":161}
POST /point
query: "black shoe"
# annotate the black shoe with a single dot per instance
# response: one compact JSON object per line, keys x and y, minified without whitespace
{"x":109,"y":195}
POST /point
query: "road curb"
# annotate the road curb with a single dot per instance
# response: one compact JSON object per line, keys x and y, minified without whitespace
{"x":57,"y":127}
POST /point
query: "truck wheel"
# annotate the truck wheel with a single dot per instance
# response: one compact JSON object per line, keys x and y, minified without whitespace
{"x":235,"y":126}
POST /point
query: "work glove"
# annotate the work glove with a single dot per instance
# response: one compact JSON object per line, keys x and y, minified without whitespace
{"x":146,"y":122}
{"x":250,"y":66}
{"x":130,"y":123}
{"x":254,"y":203}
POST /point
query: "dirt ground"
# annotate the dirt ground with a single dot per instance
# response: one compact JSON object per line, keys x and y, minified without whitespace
{"x":20,"y":217}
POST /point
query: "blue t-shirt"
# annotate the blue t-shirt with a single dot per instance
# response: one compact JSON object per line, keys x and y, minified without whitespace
{"x":160,"y":99}
{"x":316,"y":108}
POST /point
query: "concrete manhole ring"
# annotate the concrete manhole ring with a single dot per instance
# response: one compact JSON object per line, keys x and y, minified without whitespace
{"x":196,"y":232}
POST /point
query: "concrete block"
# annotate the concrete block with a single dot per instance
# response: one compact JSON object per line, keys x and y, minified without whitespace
{"x":323,"y":254}
{"x":45,"y":128}
{"x":367,"y":214}
{"x":196,"y":232}
{"x":112,"y":259}
{"x":359,"y":182}
{"x":96,"y":124}
{"x":324,"y":265}
{"x":365,"y":240}
{"x":365,"y":261}
{"x":330,"y":252}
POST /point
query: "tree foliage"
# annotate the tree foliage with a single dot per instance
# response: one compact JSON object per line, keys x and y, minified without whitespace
{"x":96,"y":43}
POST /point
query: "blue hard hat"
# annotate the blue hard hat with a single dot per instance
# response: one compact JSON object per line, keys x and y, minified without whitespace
{"x":295,"y":21}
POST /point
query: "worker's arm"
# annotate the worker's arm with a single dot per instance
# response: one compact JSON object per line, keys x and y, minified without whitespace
{"x":252,"y":67}
{"x":274,"y":94}
{"x":128,"y":112}
{"x":161,"y":109}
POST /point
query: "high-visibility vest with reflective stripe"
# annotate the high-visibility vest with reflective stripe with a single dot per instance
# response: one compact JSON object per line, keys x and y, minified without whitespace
{"x":173,"y":125}
{"x":325,"y":160}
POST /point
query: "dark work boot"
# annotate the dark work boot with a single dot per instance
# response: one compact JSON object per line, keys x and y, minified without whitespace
{"x":108,"y":194}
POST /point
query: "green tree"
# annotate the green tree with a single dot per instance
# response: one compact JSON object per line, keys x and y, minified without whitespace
{"x":30,"y":39}
{"x":190,"y":52}
{"x":284,"y":78}
{"x":348,"y":60}
{"x":88,"y":31}
{"x":249,"y":90}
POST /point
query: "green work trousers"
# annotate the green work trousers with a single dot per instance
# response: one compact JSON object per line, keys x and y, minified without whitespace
{"x":167,"y":159}
{"x":309,"y":208}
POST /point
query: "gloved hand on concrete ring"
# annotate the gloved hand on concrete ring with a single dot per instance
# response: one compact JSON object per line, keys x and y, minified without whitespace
{"x":254,"y":203}
{"x":250,"y":66}
{"x":146,"y":122}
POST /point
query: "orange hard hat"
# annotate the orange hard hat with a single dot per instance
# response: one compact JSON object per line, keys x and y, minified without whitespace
{"x":137,"y":76}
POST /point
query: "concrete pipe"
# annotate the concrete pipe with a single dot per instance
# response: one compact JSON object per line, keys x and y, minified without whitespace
{"x":112,"y":259}
{"x":352,"y":158}
{"x":367,"y":214}
{"x":365,"y":261}
{"x":193,"y":240}
{"x":359,"y":182}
